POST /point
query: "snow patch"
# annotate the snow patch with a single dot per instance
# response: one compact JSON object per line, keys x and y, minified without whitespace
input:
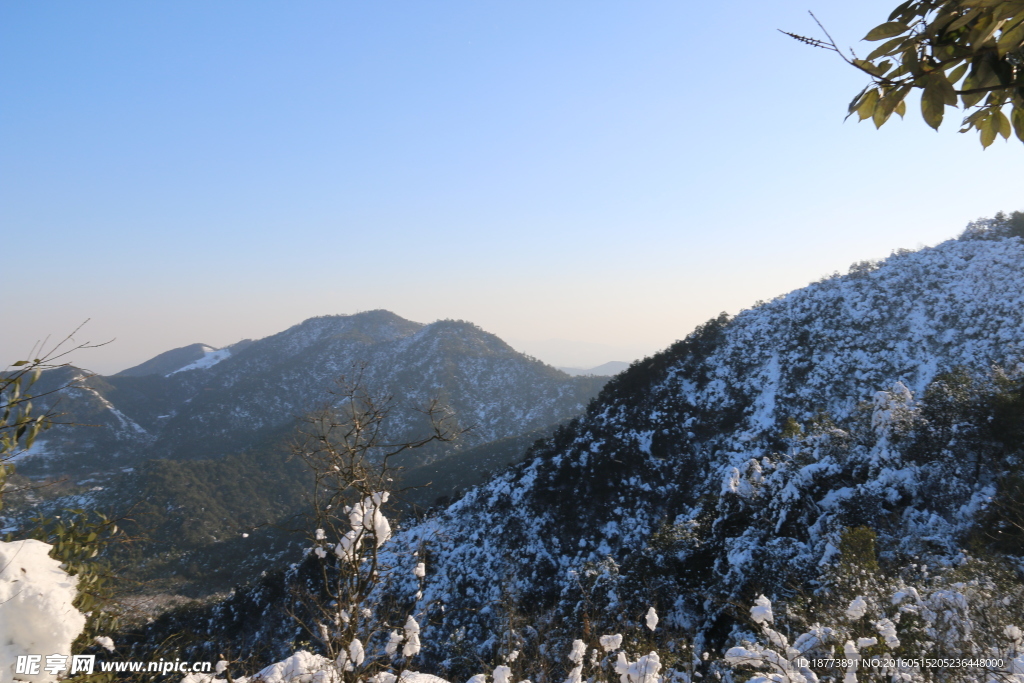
{"x":209,"y":359}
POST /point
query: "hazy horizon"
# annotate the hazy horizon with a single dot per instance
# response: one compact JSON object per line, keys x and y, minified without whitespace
{"x":569,"y":353}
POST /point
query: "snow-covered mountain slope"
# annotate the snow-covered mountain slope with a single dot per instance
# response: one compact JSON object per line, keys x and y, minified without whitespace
{"x":730,"y":463}
{"x":210,"y":357}
{"x":884,"y":406}
{"x":202,"y":402}
{"x":492,"y":389}
{"x":100,"y":424}
{"x":168,"y":361}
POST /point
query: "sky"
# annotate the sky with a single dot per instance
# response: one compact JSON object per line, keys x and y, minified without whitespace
{"x":587,"y":179}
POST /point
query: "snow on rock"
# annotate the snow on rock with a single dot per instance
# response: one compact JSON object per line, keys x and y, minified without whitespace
{"x":36,"y":611}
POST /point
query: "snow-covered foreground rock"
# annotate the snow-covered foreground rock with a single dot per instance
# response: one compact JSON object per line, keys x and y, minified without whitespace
{"x":37,"y":616}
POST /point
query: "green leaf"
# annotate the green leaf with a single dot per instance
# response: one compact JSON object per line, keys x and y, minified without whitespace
{"x":887,"y":104}
{"x":1017,"y":116}
{"x":867,"y":105}
{"x":855,"y":102}
{"x":988,"y":131}
{"x":881,"y":114}
{"x":988,"y":3}
{"x":887,"y":48}
{"x":962,"y":21}
{"x":1012,"y":39}
{"x":1007,"y":10}
{"x":19,"y":363}
{"x":911,"y":62}
{"x":932,"y":104}
{"x":945,"y":87}
{"x":957,"y":73}
{"x":1002,"y":124}
{"x":901,"y":9}
{"x":968,"y":101}
{"x":887,"y":30}
{"x":873,"y":69}
{"x":983,"y":30}
{"x":939,"y":24}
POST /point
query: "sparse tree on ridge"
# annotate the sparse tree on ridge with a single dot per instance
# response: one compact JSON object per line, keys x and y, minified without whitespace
{"x":345,"y":447}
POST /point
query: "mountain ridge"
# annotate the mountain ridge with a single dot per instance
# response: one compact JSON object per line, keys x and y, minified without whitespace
{"x":680,"y":443}
{"x":734,"y":464}
{"x":197,"y":401}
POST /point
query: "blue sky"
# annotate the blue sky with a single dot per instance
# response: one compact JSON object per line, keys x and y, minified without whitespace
{"x":588,"y":180}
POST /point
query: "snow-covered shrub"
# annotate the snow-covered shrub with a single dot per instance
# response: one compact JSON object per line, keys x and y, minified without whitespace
{"x":611,"y":663}
{"x":948,"y":632}
{"x":845,"y":513}
{"x":355,"y":635}
{"x":37,"y":614}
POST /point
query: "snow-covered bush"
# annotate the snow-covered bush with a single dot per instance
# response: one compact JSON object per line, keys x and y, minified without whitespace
{"x":349,"y":628}
{"x":610,"y":663}
{"x":37,"y":614}
{"x":357,"y":636}
{"x":953,"y":632}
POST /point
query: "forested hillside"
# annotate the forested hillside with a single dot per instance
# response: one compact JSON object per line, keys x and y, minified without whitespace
{"x":194,"y":446}
{"x":848,"y":438}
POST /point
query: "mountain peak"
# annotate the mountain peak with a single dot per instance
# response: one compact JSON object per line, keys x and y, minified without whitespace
{"x":168,"y":361}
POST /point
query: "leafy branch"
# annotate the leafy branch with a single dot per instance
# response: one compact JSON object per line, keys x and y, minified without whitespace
{"x":967,"y":54}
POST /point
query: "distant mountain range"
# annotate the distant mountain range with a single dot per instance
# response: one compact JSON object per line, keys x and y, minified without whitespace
{"x":201,"y":402}
{"x":199,"y":419}
{"x":605,"y":370}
